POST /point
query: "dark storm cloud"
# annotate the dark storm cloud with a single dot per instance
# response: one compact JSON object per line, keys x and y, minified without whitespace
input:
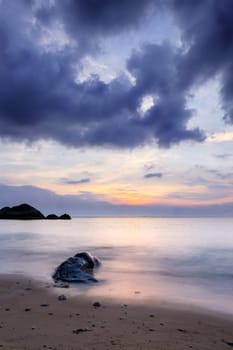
{"x":89,"y":21}
{"x":156,"y":73}
{"x":105,"y":17}
{"x":207,"y":31}
{"x":151,"y":175}
{"x":39,"y":98}
{"x":76,"y":182}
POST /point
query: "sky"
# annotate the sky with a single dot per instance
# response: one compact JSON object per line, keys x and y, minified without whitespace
{"x":117,"y":107}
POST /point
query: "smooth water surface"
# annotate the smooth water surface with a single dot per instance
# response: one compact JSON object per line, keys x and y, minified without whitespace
{"x":177,"y":259}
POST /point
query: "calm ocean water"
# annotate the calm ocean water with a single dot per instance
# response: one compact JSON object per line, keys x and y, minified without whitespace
{"x":174,"y":259}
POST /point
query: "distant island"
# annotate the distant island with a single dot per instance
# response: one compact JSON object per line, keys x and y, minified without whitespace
{"x":27,"y":212}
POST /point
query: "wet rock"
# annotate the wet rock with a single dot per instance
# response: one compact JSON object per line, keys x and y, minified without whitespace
{"x":78,"y":268}
{"x":81,"y":330}
{"x":62,"y":297}
{"x":92,"y":261}
{"x":228,"y":342}
{"x":60,"y":284}
{"x":97,"y":304}
{"x":181,"y":330}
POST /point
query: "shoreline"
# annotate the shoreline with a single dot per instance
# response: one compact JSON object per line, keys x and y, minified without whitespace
{"x":32,"y":317}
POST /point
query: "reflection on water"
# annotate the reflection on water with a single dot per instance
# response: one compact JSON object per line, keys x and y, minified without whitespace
{"x":186,"y":260}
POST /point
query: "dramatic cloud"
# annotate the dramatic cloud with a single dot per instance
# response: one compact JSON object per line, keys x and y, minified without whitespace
{"x":207,"y":28}
{"x":89,"y":20}
{"x":40,"y":97}
{"x":156,"y":73}
{"x":150,"y":175}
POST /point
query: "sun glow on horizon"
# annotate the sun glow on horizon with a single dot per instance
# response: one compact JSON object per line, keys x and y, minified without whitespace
{"x":164,"y":195}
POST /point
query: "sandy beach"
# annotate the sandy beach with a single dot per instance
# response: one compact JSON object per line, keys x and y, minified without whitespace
{"x":32,"y":317}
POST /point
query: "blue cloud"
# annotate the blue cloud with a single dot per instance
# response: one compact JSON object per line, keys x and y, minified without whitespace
{"x":151,"y":175}
{"x":76,"y":182}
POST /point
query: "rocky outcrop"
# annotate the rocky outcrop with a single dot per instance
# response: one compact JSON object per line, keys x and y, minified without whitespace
{"x":55,"y":217}
{"x":79,"y":268}
{"x":21,"y":212}
{"x":52,"y":217}
{"x":27,"y":212}
{"x":65,"y":217}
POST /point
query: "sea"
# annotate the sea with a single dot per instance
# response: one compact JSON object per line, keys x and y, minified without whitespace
{"x":186,"y":261}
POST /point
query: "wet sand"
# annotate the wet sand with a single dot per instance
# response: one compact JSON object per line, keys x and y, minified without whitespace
{"x":32,"y":317}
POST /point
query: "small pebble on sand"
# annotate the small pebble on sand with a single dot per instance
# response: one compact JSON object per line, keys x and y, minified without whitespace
{"x":97,"y":304}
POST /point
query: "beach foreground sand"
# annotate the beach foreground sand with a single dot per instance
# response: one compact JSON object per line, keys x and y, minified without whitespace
{"x":32,"y":317}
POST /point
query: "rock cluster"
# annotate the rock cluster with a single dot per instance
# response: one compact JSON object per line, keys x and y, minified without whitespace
{"x":55,"y":217}
{"x":27,"y":212}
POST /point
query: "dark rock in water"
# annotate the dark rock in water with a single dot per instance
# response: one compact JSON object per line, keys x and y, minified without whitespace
{"x":65,"y":217}
{"x":21,"y":212}
{"x":78,"y":268}
{"x":52,"y":217}
{"x":27,"y":212}
{"x":55,"y":217}
{"x":61,"y":297}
